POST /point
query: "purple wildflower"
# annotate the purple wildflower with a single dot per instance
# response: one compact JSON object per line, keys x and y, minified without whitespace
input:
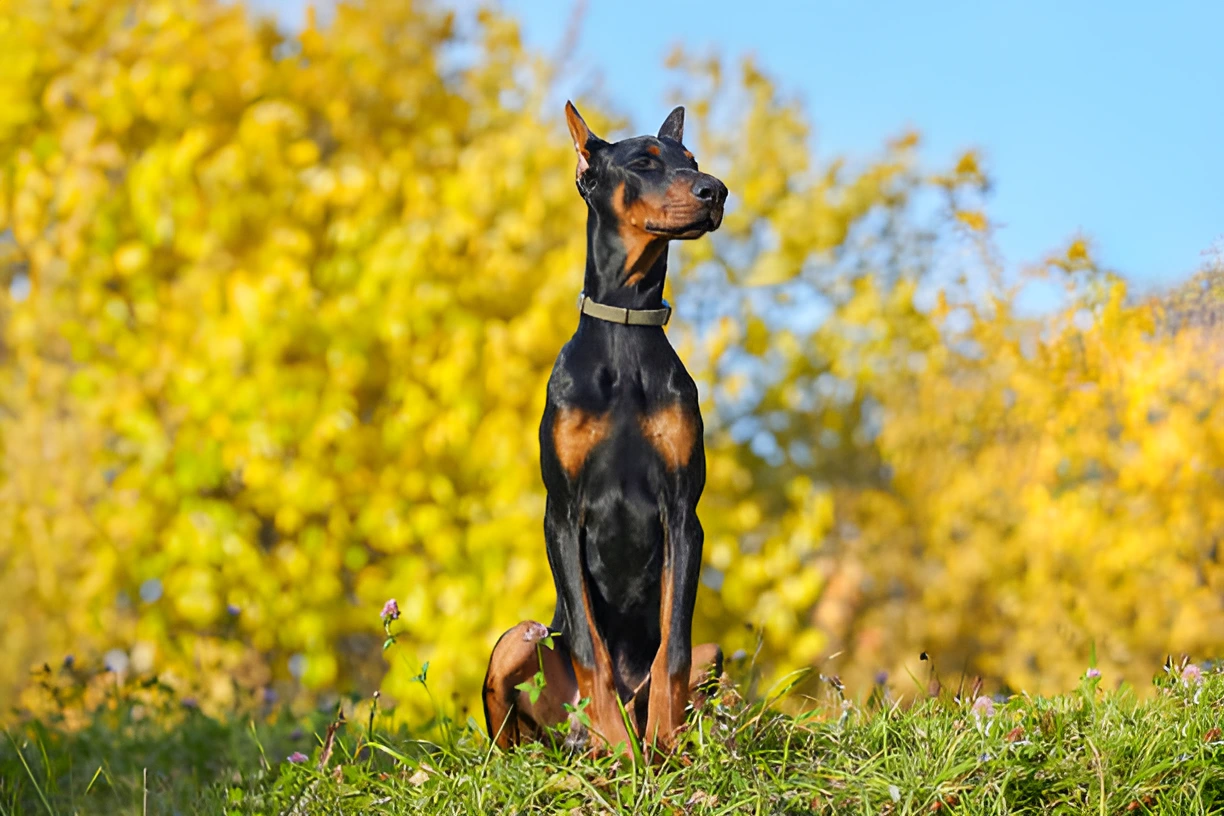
{"x":233,"y":609}
{"x":881,"y":678}
{"x":297,"y":757}
{"x":1093,"y":673}
{"x":390,"y":610}
{"x":1192,"y":675}
{"x":983,"y":706}
{"x":535,"y":632}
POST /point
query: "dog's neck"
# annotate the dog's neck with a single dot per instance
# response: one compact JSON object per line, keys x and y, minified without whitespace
{"x":606,"y":281}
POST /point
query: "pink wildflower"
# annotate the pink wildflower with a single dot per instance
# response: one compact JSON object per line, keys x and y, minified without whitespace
{"x":390,"y":610}
{"x":1093,"y":673}
{"x":297,"y":757}
{"x":1192,"y":675}
{"x":983,"y":706}
{"x":535,"y":632}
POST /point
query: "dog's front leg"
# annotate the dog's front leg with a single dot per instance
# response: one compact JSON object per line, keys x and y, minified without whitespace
{"x":593,"y":669}
{"x":670,"y":671}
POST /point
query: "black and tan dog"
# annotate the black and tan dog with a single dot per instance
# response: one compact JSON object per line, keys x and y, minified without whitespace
{"x":623,"y":461}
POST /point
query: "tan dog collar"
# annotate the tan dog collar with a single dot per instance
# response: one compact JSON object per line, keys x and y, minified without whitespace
{"x":628,"y":317}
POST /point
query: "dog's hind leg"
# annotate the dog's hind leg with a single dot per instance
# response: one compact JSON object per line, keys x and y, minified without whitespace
{"x":521,"y":658}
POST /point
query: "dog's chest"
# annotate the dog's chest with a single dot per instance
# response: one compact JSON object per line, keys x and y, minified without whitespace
{"x":670,"y":431}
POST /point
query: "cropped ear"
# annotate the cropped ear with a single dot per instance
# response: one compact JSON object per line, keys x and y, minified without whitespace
{"x":583,"y":138}
{"x":673,"y":125}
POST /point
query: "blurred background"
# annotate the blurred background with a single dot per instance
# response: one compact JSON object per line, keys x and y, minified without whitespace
{"x":282,"y":287}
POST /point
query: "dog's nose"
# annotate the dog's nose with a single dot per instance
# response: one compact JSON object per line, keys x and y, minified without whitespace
{"x":708,"y":188}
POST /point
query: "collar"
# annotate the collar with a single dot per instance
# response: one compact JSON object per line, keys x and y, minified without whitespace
{"x":628,"y":317}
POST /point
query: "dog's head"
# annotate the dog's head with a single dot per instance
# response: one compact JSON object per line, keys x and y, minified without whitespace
{"x":649,"y":184}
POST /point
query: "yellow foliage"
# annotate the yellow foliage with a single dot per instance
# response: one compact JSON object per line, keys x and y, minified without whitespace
{"x":973,"y":219}
{"x":288,"y":326}
{"x":279,"y":314}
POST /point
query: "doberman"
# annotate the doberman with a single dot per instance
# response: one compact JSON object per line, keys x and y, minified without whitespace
{"x":623,"y":462}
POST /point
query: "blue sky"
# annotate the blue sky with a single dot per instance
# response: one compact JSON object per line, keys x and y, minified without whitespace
{"x":1105,"y":117}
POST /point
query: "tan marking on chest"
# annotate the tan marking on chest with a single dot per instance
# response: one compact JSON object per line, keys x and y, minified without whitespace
{"x":672,"y":432}
{"x":575,"y":433}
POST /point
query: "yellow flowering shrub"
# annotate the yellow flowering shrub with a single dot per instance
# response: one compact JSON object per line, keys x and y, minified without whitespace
{"x":279,"y":343}
{"x":278,"y":312}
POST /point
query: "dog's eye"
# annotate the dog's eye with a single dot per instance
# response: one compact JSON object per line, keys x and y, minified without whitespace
{"x":644,"y":164}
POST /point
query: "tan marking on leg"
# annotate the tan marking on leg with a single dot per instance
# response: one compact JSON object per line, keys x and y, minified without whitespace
{"x":510,"y":715}
{"x":598,"y":683}
{"x":673,"y":433}
{"x":575,"y":433}
{"x":705,"y":671}
{"x":669,"y":688}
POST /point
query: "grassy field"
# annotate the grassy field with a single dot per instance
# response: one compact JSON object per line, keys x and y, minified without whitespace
{"x":1089,"y":751}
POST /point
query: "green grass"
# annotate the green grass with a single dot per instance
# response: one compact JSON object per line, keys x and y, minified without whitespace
{"x":1089,"y":751}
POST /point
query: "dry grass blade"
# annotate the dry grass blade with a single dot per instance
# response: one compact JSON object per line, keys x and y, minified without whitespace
{"x":329,"y":741}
